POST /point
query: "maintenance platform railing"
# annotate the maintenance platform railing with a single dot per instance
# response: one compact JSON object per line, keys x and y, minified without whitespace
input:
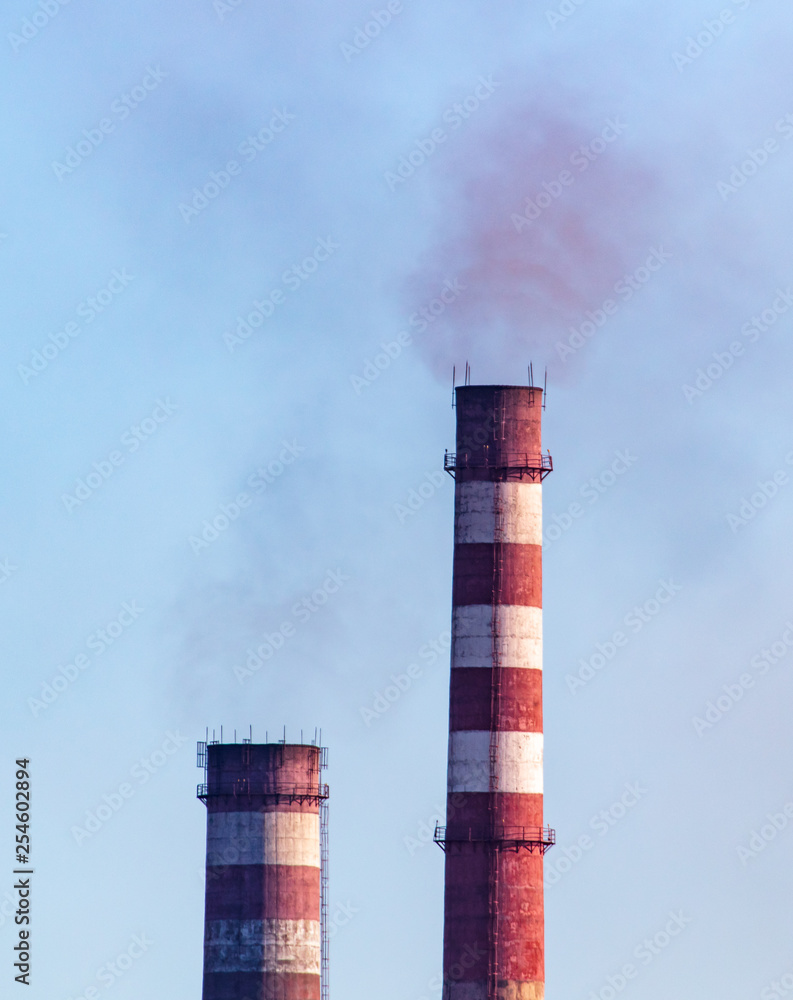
{"x":533,"y":466}
{"x":504,"y":838}
{"x":244,"y":788}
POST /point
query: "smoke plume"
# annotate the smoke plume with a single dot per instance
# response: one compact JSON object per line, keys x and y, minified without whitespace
{"x":542,"y":211}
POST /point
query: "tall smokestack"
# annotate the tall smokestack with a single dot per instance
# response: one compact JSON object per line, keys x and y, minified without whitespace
{"x":265,"y":876}
{"x":494,"y":839}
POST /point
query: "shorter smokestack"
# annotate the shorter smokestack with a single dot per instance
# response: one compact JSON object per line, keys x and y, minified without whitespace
{"x":266,"y":871}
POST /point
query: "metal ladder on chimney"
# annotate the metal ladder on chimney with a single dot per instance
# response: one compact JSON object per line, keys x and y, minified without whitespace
{"x":495,"y":722}
{"x":324,"y":927}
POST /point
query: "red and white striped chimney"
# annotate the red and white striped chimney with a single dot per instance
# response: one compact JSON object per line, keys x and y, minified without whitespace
{"x":264,"y":870}
{"x":494,"y":837}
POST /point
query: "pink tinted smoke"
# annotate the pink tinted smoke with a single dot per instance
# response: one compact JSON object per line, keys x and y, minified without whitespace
{"x":526,"y":284}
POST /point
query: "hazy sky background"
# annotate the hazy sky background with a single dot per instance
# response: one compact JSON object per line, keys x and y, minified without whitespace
{"x":120,"y":219}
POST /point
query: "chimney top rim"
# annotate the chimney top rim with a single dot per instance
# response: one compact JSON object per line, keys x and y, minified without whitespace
{"x":536,"y":388}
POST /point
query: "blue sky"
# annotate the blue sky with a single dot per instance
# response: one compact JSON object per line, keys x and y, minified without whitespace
{"x":137,"y":362}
